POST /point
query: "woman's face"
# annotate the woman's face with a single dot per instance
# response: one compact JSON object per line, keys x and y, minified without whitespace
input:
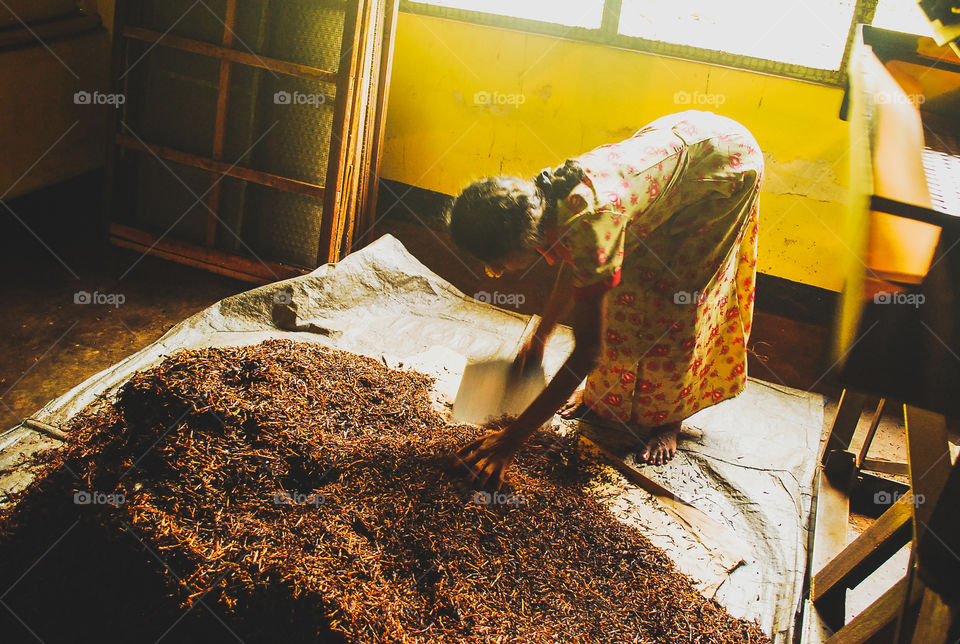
{"x":513,"y":263}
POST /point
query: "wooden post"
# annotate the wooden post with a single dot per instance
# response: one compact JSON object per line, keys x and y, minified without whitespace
{"x":220,"y":124}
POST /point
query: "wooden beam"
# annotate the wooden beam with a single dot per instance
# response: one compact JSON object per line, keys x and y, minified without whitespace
{"x":829,"y":537}
{"x":845,"y":422}
{"x":934,"y":620}
{"x":333,"y":220}
{"x":928,"y":455}
{"x":368,"y":216}
{"x":880,"y":615}
{"x":937,"y":560}
{"x":220,"y":124}
{"x":232,"y":55}
{"x":885,"y":467}
{"x":117,"y":73}
{"x":871,"y":432}
{"x":867,"y":552}
{"x":219,"y":167}
{"x":215,"y":261}
{"x":44,"y":32}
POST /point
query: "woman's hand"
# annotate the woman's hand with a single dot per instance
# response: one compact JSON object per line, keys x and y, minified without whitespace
{"x":489,"y":457}
{"x":530,"y":353}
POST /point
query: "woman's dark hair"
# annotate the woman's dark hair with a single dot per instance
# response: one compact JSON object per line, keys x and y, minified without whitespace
{"x":497,"y":217}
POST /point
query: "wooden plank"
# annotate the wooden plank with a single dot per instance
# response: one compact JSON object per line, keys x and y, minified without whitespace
{"x":871,"y":432}
{"x":829,"y":536}
{"x":239,"y":172}
{"x":880,"y":615}
{"x":356,"y":128}
{"x":845,"y":422}
{"x":368,"y":217}
{"x":938,"y":564}
{"x":232,"y":55}
{"x":333,"y":218}
{"x":934,"y":620}
{"x":867,"y":552}
{"x":371,"y":99}
{"x":220,"y":123}
{"x":928,"y":455}
{"x":367,"y":114}
{"x":215,"y":261}
{"x":44,"y":32}
{"x":885,"y":467}
{"x":117,"y":69}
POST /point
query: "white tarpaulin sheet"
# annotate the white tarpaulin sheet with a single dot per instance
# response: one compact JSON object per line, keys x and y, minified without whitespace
{"x":748,"y":462}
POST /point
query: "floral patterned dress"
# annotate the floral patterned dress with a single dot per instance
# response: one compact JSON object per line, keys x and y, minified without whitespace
{"x":666,"y":224}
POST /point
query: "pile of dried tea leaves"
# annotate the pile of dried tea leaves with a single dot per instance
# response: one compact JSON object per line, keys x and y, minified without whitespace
{"x":289,"y":492}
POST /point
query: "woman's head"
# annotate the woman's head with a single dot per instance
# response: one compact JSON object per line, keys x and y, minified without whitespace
{"x":497,"y":220}
{"x":500,"y":220}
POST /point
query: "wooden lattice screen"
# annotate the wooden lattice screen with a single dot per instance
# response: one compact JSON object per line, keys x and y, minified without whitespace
{"x":229,"y":152}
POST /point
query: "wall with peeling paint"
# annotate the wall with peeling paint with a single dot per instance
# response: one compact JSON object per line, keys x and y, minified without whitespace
{"x":468,"y":101}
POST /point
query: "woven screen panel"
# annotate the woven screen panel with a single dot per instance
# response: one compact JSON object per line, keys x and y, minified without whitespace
{"x":186,"y":18}
{"x":307,"y":32}
{"x":289,"y":129}
{"x":172,"y":98}
{"x":275,"y":123}
{"x":166,"y":196}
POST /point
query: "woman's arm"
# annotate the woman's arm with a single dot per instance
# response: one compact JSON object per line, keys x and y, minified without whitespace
{"x":588,"y":330}
{"x":557,"y":305}
{"x":490,"y":456}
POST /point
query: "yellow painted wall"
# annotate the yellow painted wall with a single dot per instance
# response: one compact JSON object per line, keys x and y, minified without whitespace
{"x":45,"y":135}
{"x":577,"y":95}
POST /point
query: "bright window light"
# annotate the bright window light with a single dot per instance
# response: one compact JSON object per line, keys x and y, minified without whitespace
{"x":581,"y":13}
{"x":812,"y":33}
{"x":902,"y":15}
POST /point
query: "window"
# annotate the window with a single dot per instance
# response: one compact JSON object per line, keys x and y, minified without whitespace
{"x":805,"y":39}
{"x":582,"y":13}
{"x":902,"y":15}
{"x":811,"y":33}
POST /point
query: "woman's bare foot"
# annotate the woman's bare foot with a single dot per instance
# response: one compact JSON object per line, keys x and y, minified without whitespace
{"x":662,"y":444}
{"x":574,"y":407}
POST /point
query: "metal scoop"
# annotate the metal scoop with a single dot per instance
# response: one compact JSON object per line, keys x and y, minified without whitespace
{"x":493,"y":388}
